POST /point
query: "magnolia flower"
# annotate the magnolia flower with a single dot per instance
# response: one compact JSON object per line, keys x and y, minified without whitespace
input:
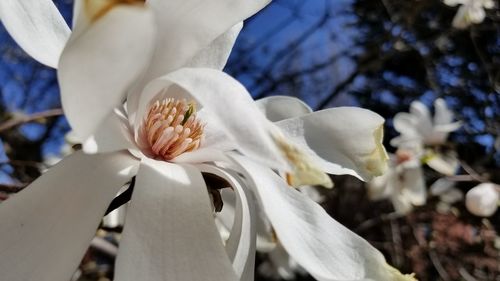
{"x":483,"y":199}
{"x":419,"y":130}
{"x":419,"y":126}
{"x":403,"y":183}
{"x":175,"y":131}
{"x":470,"y":11}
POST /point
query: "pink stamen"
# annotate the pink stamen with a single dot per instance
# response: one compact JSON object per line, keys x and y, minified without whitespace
{"x":171,"y":128}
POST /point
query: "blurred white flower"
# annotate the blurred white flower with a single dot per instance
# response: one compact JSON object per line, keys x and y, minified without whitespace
{"x":418,"y":127}
{"x":403,"y":183}
{"x":483,"y":199}
{"x":280,"y":266}
{"x":420,"y":133}
{"x":470,"y":11}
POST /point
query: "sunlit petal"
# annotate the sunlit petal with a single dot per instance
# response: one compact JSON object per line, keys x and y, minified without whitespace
{"x":277,"y":108}
{"x":325,"y":248}
{"x":169,"y":231}
{"x":37,"y":26}
{"x":343,"y":140}
{"x":240,"y":245}
{"x":97,"y":67}
{"x":217,"y":53}
{"x":47,"y":227}
{"x":186,"y":27}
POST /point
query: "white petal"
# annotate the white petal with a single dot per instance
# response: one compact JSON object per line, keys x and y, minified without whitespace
{"x":217,"y":53}
{"x":444,"y":164}
{"x":379,"y":187}
{"x":442,"y":114}
{"x":240,"y":245}
{"x":113,"y":134}
{"x":280,"y":265}
{"x":325,"y":248}
{"x":405,"y":124}
{"x":227,"y":109}
{"x":37,"y":26}
{"x":452,"y":196}
{"x":277,"y":108}
{"x":422,"y":116}
{"x":414,"y":185}
{"x":47,"y":227}
{"x":482,"y":200}
{"x":476,"y":14}
{"x":454,"y":2}
{"x":450,"y":127}
{"x":170,"y":232}
{"x":186,"y":27}
{"x":461,"y":19}
{"x":97,"y":67}
{"x":441,"y":186}
{"x":344,"y":140}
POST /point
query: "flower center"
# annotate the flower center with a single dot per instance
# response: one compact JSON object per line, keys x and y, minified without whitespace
{"x":171,"y":128}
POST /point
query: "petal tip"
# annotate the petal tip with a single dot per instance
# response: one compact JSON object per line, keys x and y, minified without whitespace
{"x":377,"y":161}
{"x":398,"y":276}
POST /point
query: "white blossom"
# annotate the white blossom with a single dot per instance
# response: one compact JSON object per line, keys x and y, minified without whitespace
{"x":470,"y":11}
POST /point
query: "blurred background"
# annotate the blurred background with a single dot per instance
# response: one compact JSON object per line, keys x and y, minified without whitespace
{"x":377,"y":54}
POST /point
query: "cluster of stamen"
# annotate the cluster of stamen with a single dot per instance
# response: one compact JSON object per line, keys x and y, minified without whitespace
{"x":171,"y":128}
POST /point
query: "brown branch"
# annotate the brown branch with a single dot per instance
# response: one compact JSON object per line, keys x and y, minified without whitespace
{"x":16,"y":121}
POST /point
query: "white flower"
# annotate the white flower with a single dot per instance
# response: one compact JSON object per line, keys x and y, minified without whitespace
{"x":419,"y":130}
{"x":174,"y":130}
{"x":482,"y":200}
{"x":470,"y":11}
{"x":418,"y":125}
{"x":403,"y":183}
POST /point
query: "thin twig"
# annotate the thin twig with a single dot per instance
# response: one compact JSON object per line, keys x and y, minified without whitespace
{"x":19,"y":120}
{"x":467,"y":168}
{"x":367,"y":224}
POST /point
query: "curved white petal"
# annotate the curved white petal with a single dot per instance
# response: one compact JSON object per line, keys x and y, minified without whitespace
{"x":423,"y":122}
{"x":454,"y":2}
{"x":113,"y":134}
{"x":170,"y":233}
{"x":405,"y":124}
{"x":325,"y":248}
{"x":217,"y":53}
{"x":37,"y":26}
{"x":48,"y":226}
{"x":98,"y":66}
{"x":186,"y":27}
{"x":277,"y":108}
{"x":343,"y":140}
{"x":240,"y":245}
{"x":442,"y":114}
{"x":441,"y":186}
{"x":461,"y":20}
{"x":226,"y":107}
{"x":414,"y":185}
{"x":446,"y":164}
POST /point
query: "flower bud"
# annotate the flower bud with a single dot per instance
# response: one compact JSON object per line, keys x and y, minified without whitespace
{"x":482,"y":200}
